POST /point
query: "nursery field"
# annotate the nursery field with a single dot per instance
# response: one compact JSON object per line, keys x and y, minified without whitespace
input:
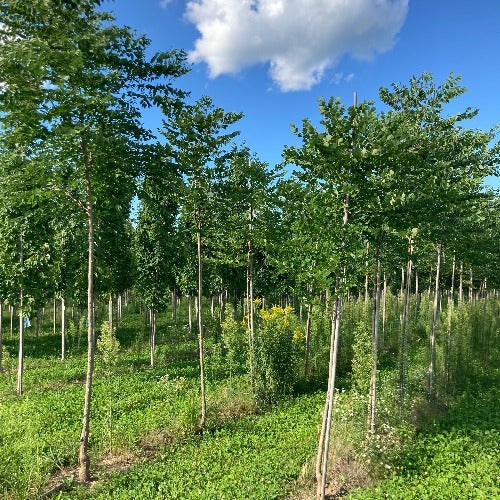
{"x":146,"y":441}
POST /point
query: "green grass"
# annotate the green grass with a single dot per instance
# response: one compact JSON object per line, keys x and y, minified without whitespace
{"x":457,"y":457}
{"x":255,"y":457}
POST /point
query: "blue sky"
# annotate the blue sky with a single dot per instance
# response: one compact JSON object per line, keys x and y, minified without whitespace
{"x":272,"y":59}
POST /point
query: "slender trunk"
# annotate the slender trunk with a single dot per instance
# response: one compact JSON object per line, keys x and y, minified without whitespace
{"x":119,"y":307}
{"x":83,"y":455}
{"x":152,"y":336}
{"x":11,"y":310}
{"x":63,"y":329}
{"x":401,"y":292}
{"x":190,"y":313}
{"x":430,"y":282}
{"x":54,"y":314}
{"x":384,"y":311}
{"x":200,"y":327}
{"x":174,"y":305}
{"x":470,"y":285}
{"x":1,"y":339}
{"x":373,"y":380}
{"x":37,"y":323}
{"x":324,"y":444}
{"x":404,"y":325}
{"x":366,"y":272}
{"x":461,"y":282}
{"x":212,"y":307}
{"x":110,"y":311}
{"x":20,"y":364}
{"x":432,"y":340}
{"x":308,"y":338}
{"x":250,"y":295}
{"x":451,"y":306}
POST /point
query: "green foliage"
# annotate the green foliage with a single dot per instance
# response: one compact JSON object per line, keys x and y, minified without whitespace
{"x":235,"y":339}
{"x":279,"y":344}
{"x":362,"y":358}
{"x":108,"y":347}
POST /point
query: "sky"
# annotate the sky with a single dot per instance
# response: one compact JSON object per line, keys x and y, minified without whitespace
{"x":273,"y":59}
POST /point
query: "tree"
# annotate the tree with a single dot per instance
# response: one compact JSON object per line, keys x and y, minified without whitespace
{"x":81,"y":89}
{"x":198,"y":147}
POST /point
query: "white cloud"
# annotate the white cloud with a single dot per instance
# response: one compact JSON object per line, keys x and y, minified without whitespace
{"x":164,"y":3}
{"x":299,"y":39}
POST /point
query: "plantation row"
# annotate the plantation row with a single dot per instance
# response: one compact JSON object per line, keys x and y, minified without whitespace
{"x":141,"y":412}
{"x":385,"y":207}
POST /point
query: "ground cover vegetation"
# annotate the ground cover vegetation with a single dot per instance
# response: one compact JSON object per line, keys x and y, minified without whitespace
{"x":327,"y":326}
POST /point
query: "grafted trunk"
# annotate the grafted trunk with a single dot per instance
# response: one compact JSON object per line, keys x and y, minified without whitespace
{"x":432,"y":339}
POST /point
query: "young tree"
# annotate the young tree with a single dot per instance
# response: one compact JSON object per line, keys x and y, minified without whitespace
{"x":195,"y":132}
{"x":86,"y":79}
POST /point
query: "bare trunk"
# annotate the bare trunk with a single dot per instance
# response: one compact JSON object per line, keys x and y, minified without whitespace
{"x":174,"y":305}
{"x":63,"y":329}
{"x":366,"y":272}
{"x":83,"y":455}
{"x":250,"y":297}
{"x":308,"y":339}
{"x":152,"y":336}
{"x":432,"y":340}
{"x":20,"y":364}
{"x":1,"y":338}
{"x":461,"y":282}
{"x":470,"y":285}
{"x":404,"y":325}
{"x":190,"y":313}
{"x":384,"y":310}
{"x":372,"y":400}
{"x":110,"y":311}
{"x":324,"y":443}
{"x":54,"y":314}
{"x":200,"y":329}
{"x":11,"y":310}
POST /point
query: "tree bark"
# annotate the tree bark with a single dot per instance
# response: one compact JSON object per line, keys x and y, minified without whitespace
{"x":20,"y":364}
{"x":63,"y":329}
{"x":404,"y":325}
{"x":308,"y":339}
{"x":200,"y":326}
{"x":432,"y":339}
{"x":190,"y":313}
{"x":152,"y":336}
{"x":1,"y":338}
{"x":110,"y":311}
{"x":83,"y":454}
{"x":461,"y":282}
{"x":470,"y":285}
{"x":372,"y":400}
{"x":250,"y":295}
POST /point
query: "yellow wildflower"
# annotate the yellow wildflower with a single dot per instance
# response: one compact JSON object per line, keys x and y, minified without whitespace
{"x":288,"y":309}
{"x":257,"y":302}
{"x":298,"y":336}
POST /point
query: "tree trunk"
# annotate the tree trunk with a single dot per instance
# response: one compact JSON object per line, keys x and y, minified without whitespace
{"x":432,"y":340}
{"x":54,"y":314}
{"x":366,"y":272}
{"x":308,"y":339}
{"x":200,"y":327}
{"x":174,"y":305}
{"x":461,"y":282}
{"x":11,"y":310}
{"x":470,"y":285}
{"x":372,"y":400}
{"x":152,"y":336}
{"x":324,"y":441}
{"x":404,"y":325}
{"x":110,"y":311}
{"x":250,"y":297}
{"x":384,"y":310}
{"x":1,"y":338}
{"x":83,"y":455}
{"x":190,"y":313}
{"x":63,"y":329}
{"x":20,"y":364}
